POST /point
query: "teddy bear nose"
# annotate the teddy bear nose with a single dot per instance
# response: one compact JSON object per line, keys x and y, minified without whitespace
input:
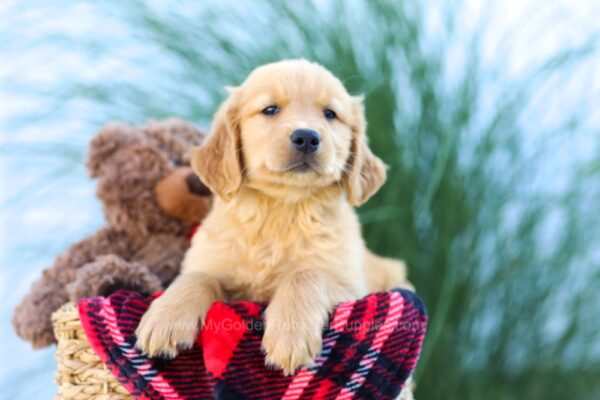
{"x":306,"y":140}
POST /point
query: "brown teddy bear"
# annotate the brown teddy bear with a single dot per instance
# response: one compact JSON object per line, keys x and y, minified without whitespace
{"x":151,"y":200}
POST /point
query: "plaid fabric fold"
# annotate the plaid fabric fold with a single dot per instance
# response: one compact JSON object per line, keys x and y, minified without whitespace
{"x":370,"y":347}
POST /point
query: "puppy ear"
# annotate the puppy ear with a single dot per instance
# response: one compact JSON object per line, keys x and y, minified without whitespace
{"x":218,"y":162}
{"x":365,"y":172}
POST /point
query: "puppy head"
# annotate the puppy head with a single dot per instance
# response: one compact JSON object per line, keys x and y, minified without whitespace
{"x":292,"y":126}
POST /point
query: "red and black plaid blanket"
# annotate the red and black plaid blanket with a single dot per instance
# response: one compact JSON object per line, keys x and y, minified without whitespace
{"x":370,"y":348}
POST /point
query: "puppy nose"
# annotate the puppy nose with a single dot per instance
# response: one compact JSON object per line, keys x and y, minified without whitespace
{"x":306,"y":140}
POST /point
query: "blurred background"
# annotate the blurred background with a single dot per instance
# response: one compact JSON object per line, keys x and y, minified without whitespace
{"x":487,"y":112}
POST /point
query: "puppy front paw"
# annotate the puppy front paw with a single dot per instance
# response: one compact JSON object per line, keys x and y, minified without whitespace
{"x":164,"y":330}
{"x":289,"y":345}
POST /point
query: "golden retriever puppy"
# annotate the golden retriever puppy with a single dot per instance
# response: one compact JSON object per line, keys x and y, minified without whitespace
{"x":287,"y":158}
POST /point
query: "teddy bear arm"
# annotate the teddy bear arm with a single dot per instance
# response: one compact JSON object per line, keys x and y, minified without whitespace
{"x":32,"y":317}
{"x":109,"y":273}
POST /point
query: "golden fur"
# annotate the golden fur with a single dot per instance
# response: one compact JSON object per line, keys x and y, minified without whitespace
{"x":275,"y":233}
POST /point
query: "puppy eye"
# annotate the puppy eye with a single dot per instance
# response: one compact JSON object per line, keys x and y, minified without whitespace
{"x":329,"y":113}
{"x":270,"y":110}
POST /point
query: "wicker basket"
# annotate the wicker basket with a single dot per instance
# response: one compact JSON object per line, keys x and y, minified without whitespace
{"x":80,"y":374}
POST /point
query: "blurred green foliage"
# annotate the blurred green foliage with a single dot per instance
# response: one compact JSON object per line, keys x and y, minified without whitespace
{"x":506,"y":267}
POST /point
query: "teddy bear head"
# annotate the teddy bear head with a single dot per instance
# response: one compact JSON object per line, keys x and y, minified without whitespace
{"x":145,"y":183}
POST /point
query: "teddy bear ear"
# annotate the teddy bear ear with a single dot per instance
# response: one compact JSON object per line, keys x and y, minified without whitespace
{"x":175,"y":137}
{"x":104,"y":145}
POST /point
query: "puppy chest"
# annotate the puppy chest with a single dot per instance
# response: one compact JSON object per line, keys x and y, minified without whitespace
{"x":263,"y":263}
{"x":271,"y":248}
